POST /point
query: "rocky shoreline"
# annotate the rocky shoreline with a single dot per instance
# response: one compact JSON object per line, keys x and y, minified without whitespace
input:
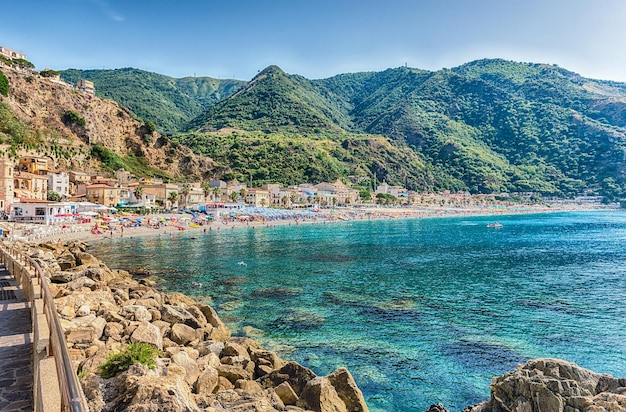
{"x":201,"y":367}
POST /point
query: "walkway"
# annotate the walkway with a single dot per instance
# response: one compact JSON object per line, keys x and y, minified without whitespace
{"x":16,"y":347}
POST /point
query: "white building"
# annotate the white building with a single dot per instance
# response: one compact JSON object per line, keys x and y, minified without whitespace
{"x":59,"y":183}
{"x":43,"y":211}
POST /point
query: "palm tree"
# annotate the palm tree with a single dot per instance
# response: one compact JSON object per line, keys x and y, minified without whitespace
{"x":206,"y":189}
{"x":138,"y":192}
{"x":242,"y":192}
{"x":173,"y":198}
{"x":184,"y":192}
{"x":234,"y":196}
{"x":284,"y":200}
{"x":293,"y":198}
{"x":216,"y":192}
{"x":263,"y":202}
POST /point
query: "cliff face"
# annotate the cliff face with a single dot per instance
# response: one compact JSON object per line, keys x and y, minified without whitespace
{"x":42,"y":104}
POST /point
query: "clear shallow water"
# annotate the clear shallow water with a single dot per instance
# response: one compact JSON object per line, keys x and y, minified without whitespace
{"x":420,"y":311}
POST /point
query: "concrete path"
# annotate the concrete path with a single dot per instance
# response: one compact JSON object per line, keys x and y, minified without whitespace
{"x":16,"y":347}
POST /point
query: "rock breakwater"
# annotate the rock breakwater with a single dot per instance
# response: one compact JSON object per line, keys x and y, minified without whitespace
{"x":200,"y":366}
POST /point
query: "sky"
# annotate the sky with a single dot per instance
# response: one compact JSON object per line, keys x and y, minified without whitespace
{"x":315,"y":38}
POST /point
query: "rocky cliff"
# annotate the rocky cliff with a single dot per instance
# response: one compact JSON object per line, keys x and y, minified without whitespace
{"x":43,"y":103}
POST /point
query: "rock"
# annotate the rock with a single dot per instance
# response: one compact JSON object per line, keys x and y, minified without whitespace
{"x":207,"y":381}
{"x":437,"y":408}
{"x":319,"y":395}
{"x":223,"y":384}
{"x":191,"y":368}
{"x":295,"y":374}
{"x":348,"y":391}
{"x":114,"y":331}
{"x":137,"y":313}
{"x":63,"y":277}
{"x":554,"y":385}
{"x":144,"y":392}
{"x":248,"y":386}
{"x":176,"y":314}
{"x":286,"y":393}
{"x":84,"y":310}
{"x":178,"y":299}
{"x":80,"y":283}
{"x":86,"y":259}
{"x":148,"y":333}
{"x":182,"y":334}
{"x":219,"y":331}
{"x":234,"y":349}
{"x":233,"y":373}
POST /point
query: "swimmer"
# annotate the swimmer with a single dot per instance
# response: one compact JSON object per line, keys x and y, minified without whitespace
{"x":242,"y":263}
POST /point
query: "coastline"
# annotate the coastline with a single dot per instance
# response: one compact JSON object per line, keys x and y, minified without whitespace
{"x":173,"y":225}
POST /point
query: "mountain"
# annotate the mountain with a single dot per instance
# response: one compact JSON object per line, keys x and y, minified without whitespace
{"x":493,"y":125}
{"x":168,"y":102}
{"x":43,"y":116}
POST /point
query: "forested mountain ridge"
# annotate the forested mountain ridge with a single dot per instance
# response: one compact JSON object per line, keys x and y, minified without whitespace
{"x":494,"y":125}
{"x":487,"y":126}
{"x":167,"y":102}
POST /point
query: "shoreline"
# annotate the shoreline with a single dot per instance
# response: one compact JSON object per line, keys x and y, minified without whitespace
{"x":170,"y":224}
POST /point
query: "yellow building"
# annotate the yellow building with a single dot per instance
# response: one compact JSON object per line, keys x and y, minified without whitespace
{"x":30,"y":186}
{"x":36,"y":165}
{"x":103,"y":194}
{"x":257,"y":197}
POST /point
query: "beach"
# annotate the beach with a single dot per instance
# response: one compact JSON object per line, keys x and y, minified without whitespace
{"x":176,"y":224}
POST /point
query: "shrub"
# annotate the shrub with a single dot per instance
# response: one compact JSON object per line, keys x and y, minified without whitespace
{"x":4,"y":85}
{"x":71,"y":117}
{"x":143,"y":353}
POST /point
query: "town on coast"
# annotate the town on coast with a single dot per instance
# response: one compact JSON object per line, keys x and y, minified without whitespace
{"x":40,"y":203}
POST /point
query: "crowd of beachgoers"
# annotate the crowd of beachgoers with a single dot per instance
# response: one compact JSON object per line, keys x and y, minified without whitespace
{"x":130,"y":225}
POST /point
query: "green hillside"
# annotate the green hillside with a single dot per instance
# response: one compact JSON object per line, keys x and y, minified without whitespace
{"x":168,"y":102}
{"x":494,"y":125}
{"x":486,"y":126}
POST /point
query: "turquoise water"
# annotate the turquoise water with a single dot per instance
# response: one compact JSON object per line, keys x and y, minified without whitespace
{"x":420,"y":311}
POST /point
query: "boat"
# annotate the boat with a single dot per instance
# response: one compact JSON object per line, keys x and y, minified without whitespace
{"x":495,"y":224}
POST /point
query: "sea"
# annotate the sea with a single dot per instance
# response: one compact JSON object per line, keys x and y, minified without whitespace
{"x":419,"y":310}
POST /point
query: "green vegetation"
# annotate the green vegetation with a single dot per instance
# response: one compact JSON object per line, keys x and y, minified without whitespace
{"x":49,"y":73}
{"x":71,"y":118}
{"x":136,"y":165}
{"x":53,"y":196}
{"x":488,"y":126}
{"x":134,"y":353}
{"x":25,"y":64}
{"x":169,"y":103}
{"x":4,"y":85}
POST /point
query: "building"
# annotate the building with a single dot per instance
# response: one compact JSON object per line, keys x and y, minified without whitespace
{"x":30,"y":186}
{"x":86,"y":86}
{"x":11,"y":54}
{"x":103,"y":194}
{"x":257,"y":197}
{"x":37,"y":165}
{"x":6,"y":184}
{"x":59,"y":183}
{"x":43,"y":211}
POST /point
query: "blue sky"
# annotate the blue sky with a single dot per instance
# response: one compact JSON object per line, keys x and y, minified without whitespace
{"x":317,"y":38}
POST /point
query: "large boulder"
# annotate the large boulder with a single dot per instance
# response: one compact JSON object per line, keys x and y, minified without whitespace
{"x":292,"y":372}
{"x":348,"y":390}
{"x":148,"y":333}
{"x":320,"y":395}
{"x":554,"y":385}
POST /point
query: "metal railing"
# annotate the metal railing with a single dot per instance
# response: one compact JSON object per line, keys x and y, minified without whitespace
{"x":32,"y":278}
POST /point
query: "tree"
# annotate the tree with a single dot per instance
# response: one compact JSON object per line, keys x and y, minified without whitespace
{"x":138,"y":192}
{"x":184,"y":193}
{"x":206,"y":189}
{"x":263,"y":202}
{"x":234,"y":196}
{"x":284,"y":200}
{"x":242,"y":193}
{"x":172,"y":198}
{"x":293,"y":198}
{"x":4,"y":85}
{"x":217,"y":192}
{"x":53,"y":196}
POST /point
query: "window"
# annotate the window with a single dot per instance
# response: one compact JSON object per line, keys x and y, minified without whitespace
{"x":40,"y":211}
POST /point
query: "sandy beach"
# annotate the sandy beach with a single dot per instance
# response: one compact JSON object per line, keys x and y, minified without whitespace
{"x":172,"y":225}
